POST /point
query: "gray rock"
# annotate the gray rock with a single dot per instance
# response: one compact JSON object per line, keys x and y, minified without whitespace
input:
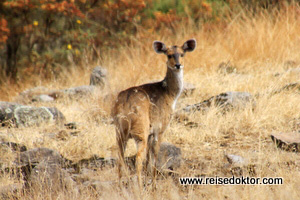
{"x":227,"y":100}
{"x":42,"y":94}
{"x":71,"y":93}
{"x":26,"y":116}
{"x":7,"y":111}
{"x":47,"y":176}
{"x":38,"y":155}
{"x":235,"y":159}
{"x":78,"y":92}
{"x":14,"y":146}
{"x":29,"y":116}
{"x":58,"y":117}
{"x":98,"y":76}
{"x":42,"y":98}
{"x":35,"y":94}
{"x":96,"y":162}
{"x":51,"y":95}
{"x":47,"y":163}
{"x":287,"y":141}
{"x":169,"y":157}
{"x":45,"y":172}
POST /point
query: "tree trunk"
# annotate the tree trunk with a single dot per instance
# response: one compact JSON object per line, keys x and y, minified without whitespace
{"x":12,"y":46}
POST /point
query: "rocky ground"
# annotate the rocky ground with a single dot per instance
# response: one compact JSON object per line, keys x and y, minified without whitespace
{"x":41,"y":167}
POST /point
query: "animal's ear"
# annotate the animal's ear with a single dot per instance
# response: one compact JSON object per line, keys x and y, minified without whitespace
{"x":159,"y":47}
{"x":189,"y":45}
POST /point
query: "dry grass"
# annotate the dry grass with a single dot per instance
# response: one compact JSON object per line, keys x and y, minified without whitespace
{"x":261,"y":48}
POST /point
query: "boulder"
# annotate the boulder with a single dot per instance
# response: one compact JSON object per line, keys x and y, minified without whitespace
{"x":7,"y":112}
{"x":26,"y":116}
{"x":97,"y":80}
{"x":42,"y":98}
{"x":236,"y":160}
{"x":49,"y":176}
{"x":27,"y":160}
{"x":43,"y":94}
{"x":169,"y":157}
{"x":226,"y":101}
{"x":33,"y":94}
{"x":14,"y":146}
{"x":78,"y":92}
{"x":95,"y":162}
{"x":57,"y":116}
{"x":287,"y":141}
{"x":98,"y":77}
{"x":38,"y":155}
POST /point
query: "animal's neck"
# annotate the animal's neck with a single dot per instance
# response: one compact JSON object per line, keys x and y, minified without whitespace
{"x":174,"y":84}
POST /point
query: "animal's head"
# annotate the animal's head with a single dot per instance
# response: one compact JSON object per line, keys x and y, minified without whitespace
{"x":175,"y":53}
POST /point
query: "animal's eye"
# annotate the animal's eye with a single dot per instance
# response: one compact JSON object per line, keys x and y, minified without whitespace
{"x":182,"y":55}
{"x":169,"y":56}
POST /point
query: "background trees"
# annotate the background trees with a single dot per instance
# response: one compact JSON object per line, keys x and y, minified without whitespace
{"x":44,"y":36}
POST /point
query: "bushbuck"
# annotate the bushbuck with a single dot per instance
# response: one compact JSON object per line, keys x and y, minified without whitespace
{"x":144,"y":112}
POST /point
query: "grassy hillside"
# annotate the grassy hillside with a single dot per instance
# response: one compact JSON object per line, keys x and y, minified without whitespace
{"x":262,"y":49}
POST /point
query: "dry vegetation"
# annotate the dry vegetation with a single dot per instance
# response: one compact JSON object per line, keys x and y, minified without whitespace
{"x":262,"y":49}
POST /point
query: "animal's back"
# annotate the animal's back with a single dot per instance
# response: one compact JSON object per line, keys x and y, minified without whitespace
{"x":146,"y":101}
{"x":131,"y":112}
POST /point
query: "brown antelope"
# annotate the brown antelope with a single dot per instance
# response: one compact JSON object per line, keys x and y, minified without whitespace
{"x":144,"y":112}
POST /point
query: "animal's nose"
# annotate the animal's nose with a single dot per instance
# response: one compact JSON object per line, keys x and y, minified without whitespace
{"x":177,"y":66}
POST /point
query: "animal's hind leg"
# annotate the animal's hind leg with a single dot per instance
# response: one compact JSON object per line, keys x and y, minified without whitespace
{"x":149,"y":153}
{"x":140,"y":157}
{"x":122,"y":146}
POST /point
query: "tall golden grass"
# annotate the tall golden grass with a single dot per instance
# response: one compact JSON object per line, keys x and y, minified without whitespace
{"x":261,"y":47}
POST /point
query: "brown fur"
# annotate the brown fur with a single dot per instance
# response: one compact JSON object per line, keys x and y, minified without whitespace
{"x":144,"y":112}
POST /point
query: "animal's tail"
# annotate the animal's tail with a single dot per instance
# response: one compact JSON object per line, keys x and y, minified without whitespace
{"x":123,"y":125}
